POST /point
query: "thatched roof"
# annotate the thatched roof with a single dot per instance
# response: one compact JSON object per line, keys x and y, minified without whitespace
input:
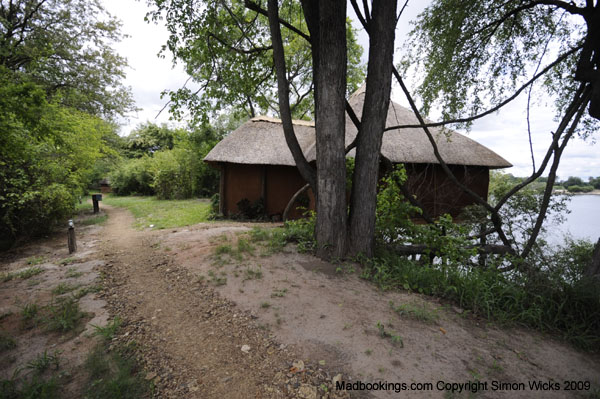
{"x":261,"y":141}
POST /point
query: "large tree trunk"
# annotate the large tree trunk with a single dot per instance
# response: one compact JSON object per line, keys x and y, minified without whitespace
{"x":330,"y":130}
{"x":381,"y":28}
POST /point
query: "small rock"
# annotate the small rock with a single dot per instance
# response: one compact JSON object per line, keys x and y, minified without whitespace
{"x":457,"y":309}
{"x":150,"y":376}
{"x":336,"y":379}
{"x":245,"y":348}
{"x":227,"y":379}
{"x":307,"y":392}
{"x":298,"y":366}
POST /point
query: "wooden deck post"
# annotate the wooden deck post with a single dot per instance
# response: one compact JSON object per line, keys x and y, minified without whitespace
{"x":222,"y":189}
{"x":72,"y":242}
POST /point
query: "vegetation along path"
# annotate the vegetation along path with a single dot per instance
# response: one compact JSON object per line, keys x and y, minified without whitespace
{"x":224,"y":310}
{"x":220,"y":314}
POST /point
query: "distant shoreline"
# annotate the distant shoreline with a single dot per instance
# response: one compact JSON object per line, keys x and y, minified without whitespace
{"x":595,"y":192}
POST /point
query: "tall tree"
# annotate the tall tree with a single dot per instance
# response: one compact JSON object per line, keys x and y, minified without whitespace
{"x":65,"y":47}
{"x":481,"y":52}
{"x":381,"y":28}
{"x":226,"y":49}
{"x":59,"y":77}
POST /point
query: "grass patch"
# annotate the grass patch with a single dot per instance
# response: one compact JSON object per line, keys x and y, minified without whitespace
{"x":67,"y":261}
{"x":6,"y":342}
{"x":86,"y":290}
{"x":35,"y":260}
{"x":162,"y":214}
{"x":417,"y":312}
{"x":84,"y":206}
{"x":33,"y":387}
{"x":73,"y":273}
{"x":216,"y":279}
{"x":252,"y":274}
{"x":94,"y":220}
{"x":63,"y":314}
{"x":30,"y":272}
{"x":279,"y":293}
{"x":570,"y":309}
{"x":29,"y":315}
{"x":114,"y":374}
{"x":63,"y":288}
{"x":24,"y":275}
{"x":43,"y":361}
{"x":108,"y":332}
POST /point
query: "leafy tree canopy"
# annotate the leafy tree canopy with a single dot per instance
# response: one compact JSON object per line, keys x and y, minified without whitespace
{"x":226,"y":49}
{"x":474,"y":54}
{"x":64,"y":47}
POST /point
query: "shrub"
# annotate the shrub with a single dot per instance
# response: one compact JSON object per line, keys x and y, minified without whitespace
{"x":132,"y":177}
{"x":580,"y":189}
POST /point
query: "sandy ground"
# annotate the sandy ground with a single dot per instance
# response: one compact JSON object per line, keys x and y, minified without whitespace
{"x":284,"y":325}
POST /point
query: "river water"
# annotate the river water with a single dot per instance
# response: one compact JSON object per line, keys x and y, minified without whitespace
{"x":582,"y":223}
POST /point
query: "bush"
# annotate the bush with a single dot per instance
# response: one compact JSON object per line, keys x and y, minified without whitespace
{"x":133,"y":177}
{"x":175,"y":174}
{"x":580,"y":189}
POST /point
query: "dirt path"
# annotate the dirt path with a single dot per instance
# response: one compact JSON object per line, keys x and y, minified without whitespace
{"x":240,"y":324}
{"x":193,"y":313}
{"x":196,"y":344}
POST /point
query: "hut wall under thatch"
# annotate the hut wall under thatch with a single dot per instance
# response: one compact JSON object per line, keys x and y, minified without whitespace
{"x":273,"y":184}
{"x":257,"y":163}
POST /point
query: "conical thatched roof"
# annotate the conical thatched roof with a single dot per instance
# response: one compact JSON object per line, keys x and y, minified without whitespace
{"x":261,"y":141}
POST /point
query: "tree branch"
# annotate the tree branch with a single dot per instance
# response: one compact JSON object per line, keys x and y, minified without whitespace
{"x":249,"y":4}
{"x":497,"y":107}
{"x":305,"y":169}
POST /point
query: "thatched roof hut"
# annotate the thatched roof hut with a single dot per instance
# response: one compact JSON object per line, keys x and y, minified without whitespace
{"x":256,"y":162}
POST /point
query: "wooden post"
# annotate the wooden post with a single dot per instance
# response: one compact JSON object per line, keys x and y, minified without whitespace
{"x":95,"y":201}
{"x":72,"y":242}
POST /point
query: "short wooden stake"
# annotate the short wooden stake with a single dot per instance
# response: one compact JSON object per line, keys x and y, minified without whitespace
{"x":96,"y":206}
{"x":71,"y":238}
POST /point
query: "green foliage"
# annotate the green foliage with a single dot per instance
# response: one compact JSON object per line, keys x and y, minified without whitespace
{"x":580,"y":189}
{"x":520,"y":212}
{"x":478,"y":52}
{"x":168,"y":162}
{"x":33,"y":387}
{"x":43,"y":361}
{"x":58,"y":77}
{"x":149,"y":138}
{"x":108,"y":332}
{"x":226,"y":49}
{"x":65,"y":47}
{"x":572,"y":181}
{"x":114,"y":375}
{"x":6,"y":342}
{"x":132,"y":176}
{"x":63,"y":314}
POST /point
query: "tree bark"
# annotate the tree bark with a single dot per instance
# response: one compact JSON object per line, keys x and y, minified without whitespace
{"x":330,"y":125}
{"x":283,"y":89}
{"x":381,"y":28}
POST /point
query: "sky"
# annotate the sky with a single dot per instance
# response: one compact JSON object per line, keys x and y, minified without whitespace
{"x":504,"y":132}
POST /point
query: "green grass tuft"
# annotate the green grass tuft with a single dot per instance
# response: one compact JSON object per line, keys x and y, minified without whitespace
{"x":6,"y":342}
{"x":108,"y":332}
{"x":63,"y":314}
{"x":94,"y":220}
